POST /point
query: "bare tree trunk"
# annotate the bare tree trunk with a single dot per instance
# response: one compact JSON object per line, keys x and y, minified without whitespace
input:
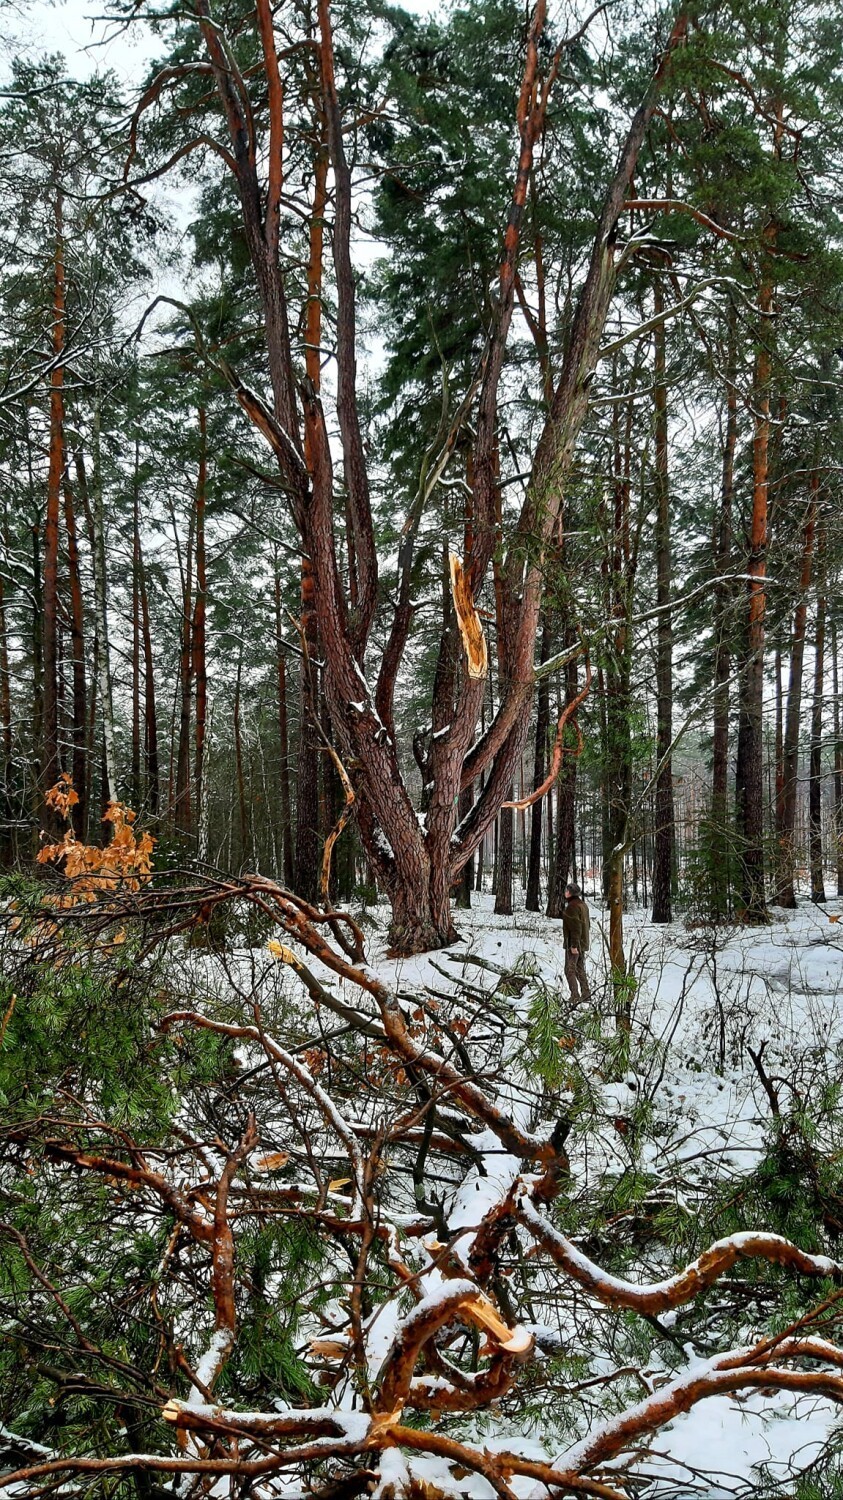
{"x":466,"y":881}
{"x":664,"y":834}
{"x":96,"y":525}
{"x":150,"y":717}
{"x":51,"y":767}
{"x":283,"y":742}
{"x":503,"y":881}
{"x":779,"y":749}
{"x":838,"y":760}
{"x":182,"y":810}
{"x":8,"y":832}
{"x":77,"y":637}
{"x":307,"y":779}
{"x":238,"y":765}
{"x":200,"y":669}
{"x":786,"y":895}
{"x":307,"y":842}
{"x":815,"y":784}
{"x":566,"y":792}
{"x":5,"y":687}
{"x":537,"y":811}
{"x":750,"y":759}
{"x":137,"y":788}
{"x":719,"y":833}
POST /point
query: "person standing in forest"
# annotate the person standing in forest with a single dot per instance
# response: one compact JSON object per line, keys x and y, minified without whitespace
{"x":576,"y":925}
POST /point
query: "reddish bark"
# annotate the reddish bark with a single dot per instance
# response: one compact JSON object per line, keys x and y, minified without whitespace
{"x":566,"y":789}
{"x":238,"y":765}
{"x":815,"y":767}
{"x":283,"y":742}
{"x":785,"y":894}
{"x":838,"y":761}
{"x":198,"y":659}
{"x":137,"y":792}
{"x":750,"y":758}
{"x":723,"y":642}
{"x":533,"y":896}
{"x":79,"y":729}
{"x":51,"y":767}
{"x":150,"y":718}
{"x":663,"y":836}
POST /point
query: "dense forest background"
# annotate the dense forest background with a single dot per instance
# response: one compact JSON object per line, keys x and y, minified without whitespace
{"x":154,"y":615}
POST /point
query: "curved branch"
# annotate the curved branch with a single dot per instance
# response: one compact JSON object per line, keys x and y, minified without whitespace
{"x":459,"y":1299}
{"x":677,"y":206}
{"x":674,"y":1291}
{"x":568,"y":712}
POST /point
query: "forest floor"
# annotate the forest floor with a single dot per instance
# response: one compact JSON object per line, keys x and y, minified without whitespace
{"x":691,"y":1114}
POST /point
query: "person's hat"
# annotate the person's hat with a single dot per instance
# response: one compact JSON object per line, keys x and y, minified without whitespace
{"x":574,"y":889}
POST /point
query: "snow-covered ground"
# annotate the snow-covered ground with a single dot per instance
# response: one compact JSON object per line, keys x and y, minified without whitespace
{"x":703,"y":998}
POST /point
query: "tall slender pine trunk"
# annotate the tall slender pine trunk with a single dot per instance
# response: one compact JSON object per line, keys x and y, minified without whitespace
{"x":749,"y":797}
{"x":838,"y":760}
{"x":307,"y":842}
{"x":136,"y":779}
{"x":283,"y":741}
{"x":785,"y":831}
{"x":566,"y":794}
{"x":198,"y":634}
{"x":51,"y":762}
{"x":664,"y":833}
{"x":537,"y":811}
{"x":719,"y":837}
{"x":79,"y":730}
{"x":815,"y":783}
{"x":150,"y":714}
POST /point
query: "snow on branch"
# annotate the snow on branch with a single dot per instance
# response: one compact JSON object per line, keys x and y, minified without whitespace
{"x":660,"y":1296}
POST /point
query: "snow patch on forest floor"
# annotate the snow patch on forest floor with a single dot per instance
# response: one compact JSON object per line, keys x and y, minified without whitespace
{"x":703,"y":997}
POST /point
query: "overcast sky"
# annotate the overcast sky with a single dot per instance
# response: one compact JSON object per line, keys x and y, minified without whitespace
{"x":86,"y":43}
{"x":71,"y":27}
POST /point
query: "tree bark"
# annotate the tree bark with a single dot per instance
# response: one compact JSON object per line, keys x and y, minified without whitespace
{"x":838,"y":760}
{"x":815,"y":784}
{"x":150,"y":716}
{"x":182,"y":810}
{"x":307,"y":841}
{"x":537,"y":811}
{"x":466,"y":880}
{"x":663,"y":835}
{"x":283,"y":742}
{"x":8,"y":833}
{"x":566,"y":790}
{"x":750,"y":758}
{"x":136,"y":781}
{"x":785,"y":893}
{"x":307,"y":779}
{"x":96,"y":525}
{"x":51,"y":766}
{"x":79,"y":732}
{"x":503,"y":881}
{"x":5,"y":688}
{"x":720,"y":861}
{"x":198,"y":648}
{"x":238,"y":766}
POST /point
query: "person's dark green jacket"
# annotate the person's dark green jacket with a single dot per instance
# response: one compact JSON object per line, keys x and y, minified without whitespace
{"x":576,"y":924}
